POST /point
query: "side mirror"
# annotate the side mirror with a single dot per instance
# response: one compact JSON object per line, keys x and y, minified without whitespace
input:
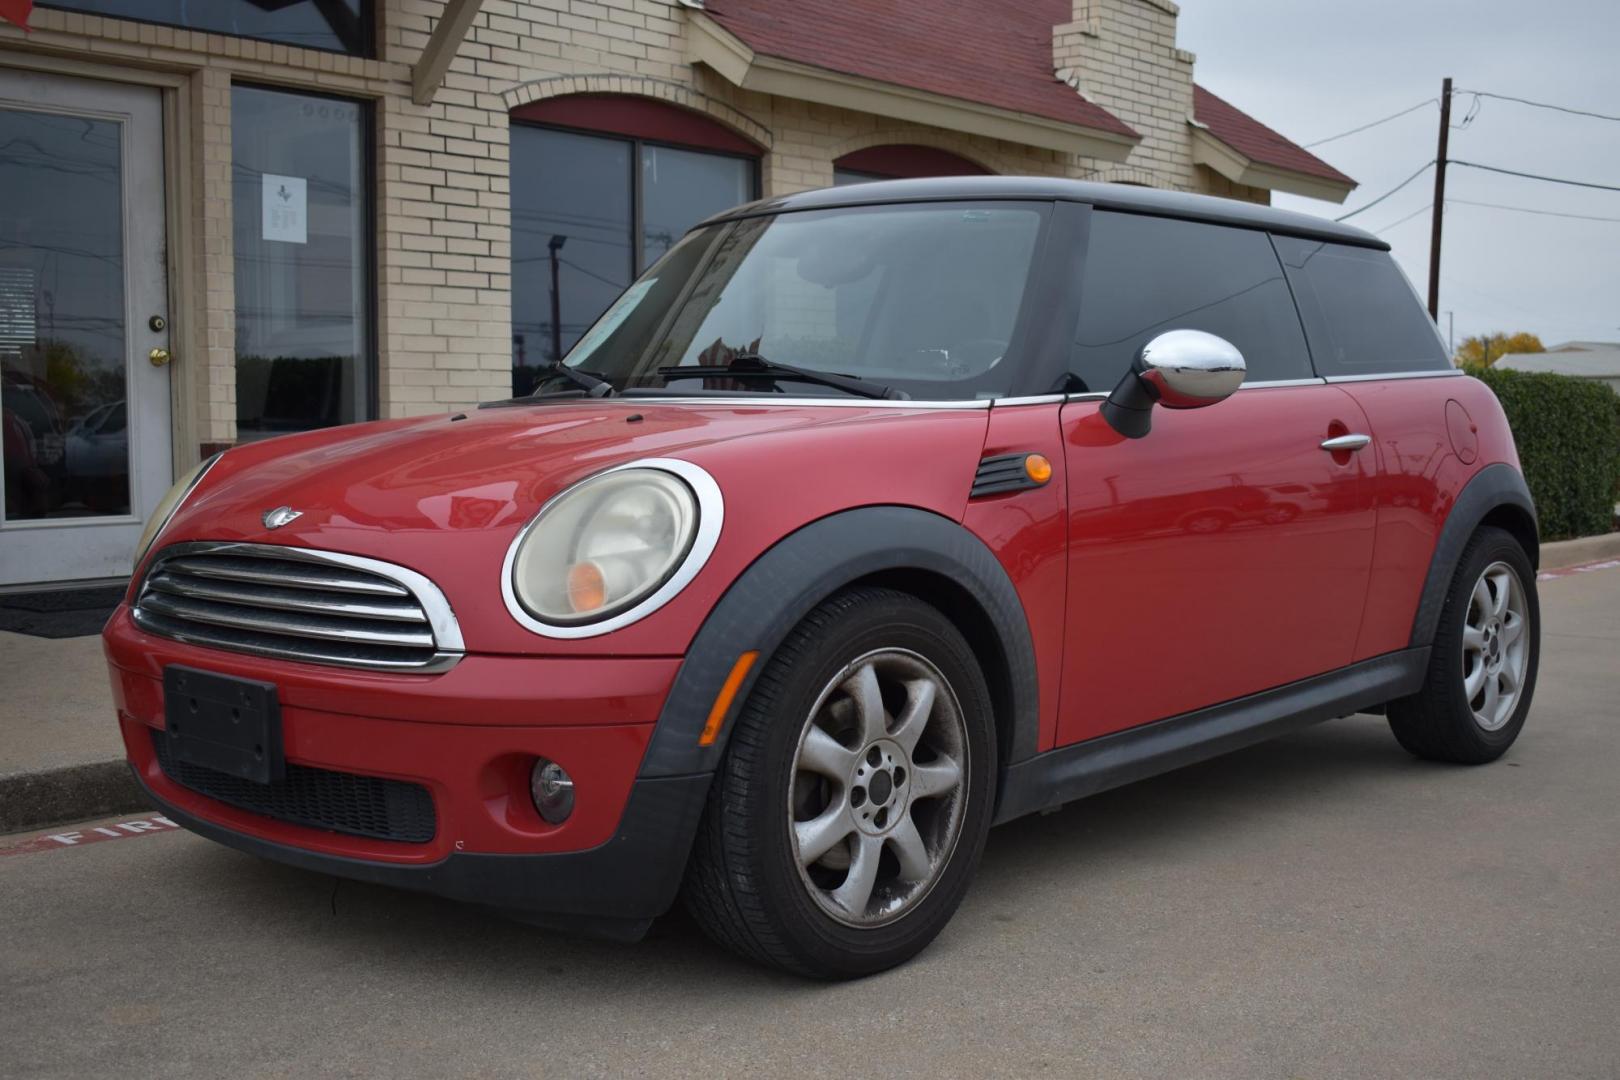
{"x":1179,"y":369}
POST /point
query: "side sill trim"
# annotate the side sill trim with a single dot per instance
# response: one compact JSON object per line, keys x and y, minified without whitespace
{"x":1048,"y":780}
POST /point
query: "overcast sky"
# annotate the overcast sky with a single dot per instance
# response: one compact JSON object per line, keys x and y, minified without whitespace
{"x":1312,"y":69}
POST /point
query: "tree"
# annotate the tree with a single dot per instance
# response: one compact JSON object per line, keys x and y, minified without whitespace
{"x":1487,"y":349}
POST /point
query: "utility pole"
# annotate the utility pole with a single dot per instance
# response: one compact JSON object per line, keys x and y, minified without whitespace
{"x":1439,"y":208}
{"x":1451,"y":330}
{"x":552,"y":247}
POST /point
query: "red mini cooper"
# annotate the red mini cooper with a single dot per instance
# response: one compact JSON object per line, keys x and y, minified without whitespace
{"x":866,"y":519}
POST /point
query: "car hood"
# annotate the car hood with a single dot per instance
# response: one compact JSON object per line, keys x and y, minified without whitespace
{"x":486,"y":469}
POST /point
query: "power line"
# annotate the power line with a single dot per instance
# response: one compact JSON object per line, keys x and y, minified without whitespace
{"x":1530,"y":176}
{"x":1385,"y":195}
{"x":1402,"y":221}
{"x":1529,"y":210}
{"x":1539,"y":104}
{"x":1375,"y":123}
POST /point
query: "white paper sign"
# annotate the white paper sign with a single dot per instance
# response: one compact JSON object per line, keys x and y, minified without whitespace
{"x":285,"y":206}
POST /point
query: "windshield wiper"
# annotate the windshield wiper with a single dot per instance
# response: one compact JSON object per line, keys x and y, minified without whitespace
{"x":593,"y":385}
{"x":752,"y":365}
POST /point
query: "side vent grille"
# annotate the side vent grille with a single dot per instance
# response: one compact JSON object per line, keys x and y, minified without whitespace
{"x":1001,"y":474}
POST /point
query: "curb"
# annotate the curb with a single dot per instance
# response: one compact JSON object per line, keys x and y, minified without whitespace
{"x":1562,"y":553}
{"x":35,"y":800}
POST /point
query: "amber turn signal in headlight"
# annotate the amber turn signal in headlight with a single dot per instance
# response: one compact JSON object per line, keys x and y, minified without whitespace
{"x":604,"y":545}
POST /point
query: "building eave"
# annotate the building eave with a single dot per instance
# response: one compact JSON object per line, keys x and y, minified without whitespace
{"x":1239,"y":168}
{"x":710,"y":44}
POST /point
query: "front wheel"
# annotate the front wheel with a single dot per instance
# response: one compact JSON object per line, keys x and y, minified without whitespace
{"x":848,"y":817}
{"x":1482,"y":666}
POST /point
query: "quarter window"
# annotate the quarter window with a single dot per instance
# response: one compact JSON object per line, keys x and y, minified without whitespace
{"x":1360,"y":311}
{"x":1146,"y":275}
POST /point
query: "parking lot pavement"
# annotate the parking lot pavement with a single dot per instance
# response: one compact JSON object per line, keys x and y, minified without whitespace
{"x":1320,"y":906}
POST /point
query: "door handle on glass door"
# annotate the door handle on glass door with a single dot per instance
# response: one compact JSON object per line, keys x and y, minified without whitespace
{"x":1353,"y":441}
{"x":159,"y":356}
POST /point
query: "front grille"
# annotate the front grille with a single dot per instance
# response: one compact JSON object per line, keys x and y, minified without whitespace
{"x":298,"y":604}
{"x":316,"y":798}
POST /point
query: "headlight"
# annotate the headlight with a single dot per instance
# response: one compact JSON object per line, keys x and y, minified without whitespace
{"x":169,"y":504}
{"x":612,"y":548}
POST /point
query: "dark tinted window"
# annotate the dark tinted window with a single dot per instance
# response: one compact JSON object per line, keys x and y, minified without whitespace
{"x":333,"y":25}
{"x":1361,"y":313}
{"x":1146,"y":275}
{"x":577,"y":201}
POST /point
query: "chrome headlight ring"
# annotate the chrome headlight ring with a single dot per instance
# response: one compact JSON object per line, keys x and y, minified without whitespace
{"x":705,"y":534}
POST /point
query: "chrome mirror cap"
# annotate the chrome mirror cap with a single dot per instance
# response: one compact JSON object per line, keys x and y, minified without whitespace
{"x":1179,"y":369}
{"x":1187,"y":369}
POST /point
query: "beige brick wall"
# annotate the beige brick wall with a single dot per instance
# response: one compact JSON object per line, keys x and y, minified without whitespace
{"x":443,"y":243}
{"x":1122,"y":54}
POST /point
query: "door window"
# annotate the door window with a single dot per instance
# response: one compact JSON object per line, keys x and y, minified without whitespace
{"x":304,"y":354}
{"x":1146,"y":275}
{"x":62,"y":316}
{"x":1362,"y":314}
{"x":589,"y":214}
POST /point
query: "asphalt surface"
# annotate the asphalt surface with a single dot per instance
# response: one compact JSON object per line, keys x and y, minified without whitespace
{"x":1320,"y":906}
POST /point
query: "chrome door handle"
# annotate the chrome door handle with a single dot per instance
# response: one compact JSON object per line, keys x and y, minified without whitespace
{"x":1354,"y":441}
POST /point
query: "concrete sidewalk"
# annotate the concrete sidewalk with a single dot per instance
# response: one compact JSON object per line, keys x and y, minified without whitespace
{"x":61,"y":758}
{"x":60,"y":754}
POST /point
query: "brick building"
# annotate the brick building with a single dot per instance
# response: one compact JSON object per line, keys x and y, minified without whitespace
{"x":222,"y":221}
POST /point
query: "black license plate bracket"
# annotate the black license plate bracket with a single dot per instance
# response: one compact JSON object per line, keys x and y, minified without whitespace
{"x":222,"y":722}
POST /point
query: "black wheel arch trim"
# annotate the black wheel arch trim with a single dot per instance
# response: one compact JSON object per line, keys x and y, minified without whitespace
{"x":804,"y":568}
{"x":1492,"y":488}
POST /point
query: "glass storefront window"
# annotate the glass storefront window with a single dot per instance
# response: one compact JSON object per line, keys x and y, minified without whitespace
{"x":332,"y":25}
{"x":302,"y":204}
{"x":62,"y":316}
{"x":589,"y":213}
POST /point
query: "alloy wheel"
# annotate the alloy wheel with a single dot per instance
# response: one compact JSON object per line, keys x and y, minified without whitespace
{"x":1495,"y":647}
{"x":875,"y":806}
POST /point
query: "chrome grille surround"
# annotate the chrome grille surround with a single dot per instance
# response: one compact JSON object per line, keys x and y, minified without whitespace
{"x":290,"y":603}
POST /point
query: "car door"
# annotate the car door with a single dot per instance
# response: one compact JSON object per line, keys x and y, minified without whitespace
{"x":1226,"y":552}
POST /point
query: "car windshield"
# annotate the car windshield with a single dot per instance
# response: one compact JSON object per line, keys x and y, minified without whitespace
{"x":917,"y":299}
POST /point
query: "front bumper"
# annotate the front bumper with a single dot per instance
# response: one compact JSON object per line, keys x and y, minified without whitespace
{"x":469,"y":736}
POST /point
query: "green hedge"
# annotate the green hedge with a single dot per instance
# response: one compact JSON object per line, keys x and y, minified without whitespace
{"x":1568,"y":434}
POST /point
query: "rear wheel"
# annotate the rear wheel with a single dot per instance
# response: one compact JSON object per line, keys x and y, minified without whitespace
{"x":848,"y":817}
{"x":1482,"y":667}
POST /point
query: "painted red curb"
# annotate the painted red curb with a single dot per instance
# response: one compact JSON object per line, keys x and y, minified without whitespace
{"x":1583,"y":568}
{"x":93,"y":834}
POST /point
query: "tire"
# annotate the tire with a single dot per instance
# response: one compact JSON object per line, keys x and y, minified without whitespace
{"x":1449,"y":719}
{"x":746,"y":885}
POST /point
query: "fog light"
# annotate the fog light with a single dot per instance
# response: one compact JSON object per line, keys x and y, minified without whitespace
{"x":553,"y":791}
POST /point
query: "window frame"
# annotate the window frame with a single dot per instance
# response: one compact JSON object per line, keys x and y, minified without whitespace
{"x":638,"y":254}
{"x":367,"y":49}
{"x":371,"y":402}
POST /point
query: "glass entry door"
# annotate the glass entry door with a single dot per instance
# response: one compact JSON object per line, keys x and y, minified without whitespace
{"x":84,"y":375}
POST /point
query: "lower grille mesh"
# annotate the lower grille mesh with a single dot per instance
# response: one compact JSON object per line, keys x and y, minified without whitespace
{"x":316,"y":798}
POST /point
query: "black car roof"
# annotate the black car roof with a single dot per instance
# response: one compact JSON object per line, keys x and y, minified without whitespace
{"x":1139,"y":200}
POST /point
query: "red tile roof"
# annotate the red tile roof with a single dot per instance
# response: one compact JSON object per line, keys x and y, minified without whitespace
{"x":994,"y":54}
{"x":1257,"y":142}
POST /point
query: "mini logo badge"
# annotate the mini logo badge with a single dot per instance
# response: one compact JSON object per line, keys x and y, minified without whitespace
{"x":281,"y":515}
